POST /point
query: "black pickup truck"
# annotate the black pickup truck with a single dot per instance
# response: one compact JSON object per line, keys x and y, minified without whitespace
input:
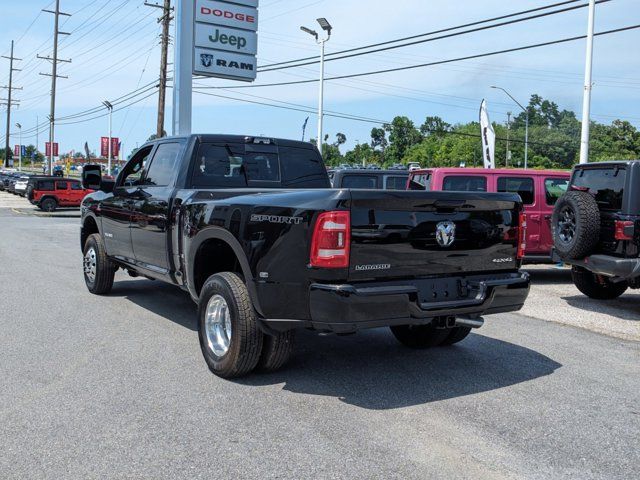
{"x":252,"y":230}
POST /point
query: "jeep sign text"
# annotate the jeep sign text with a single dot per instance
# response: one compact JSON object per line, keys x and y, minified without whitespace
{"x":229,"y":39}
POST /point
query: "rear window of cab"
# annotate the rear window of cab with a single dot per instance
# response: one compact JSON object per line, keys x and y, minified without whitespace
{"x":605,"y":184}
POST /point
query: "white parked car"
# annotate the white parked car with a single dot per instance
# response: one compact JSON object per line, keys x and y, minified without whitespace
{"x":21,"y":186}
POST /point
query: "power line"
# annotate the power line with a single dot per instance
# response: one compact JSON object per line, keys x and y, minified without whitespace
{"x":346,"y":116}
{"x":266,"y":68}
{"x":429,"y":64}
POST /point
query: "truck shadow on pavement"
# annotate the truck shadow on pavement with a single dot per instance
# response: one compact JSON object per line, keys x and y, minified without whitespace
{"x":373,"y":371}
{"x":370,"y":369}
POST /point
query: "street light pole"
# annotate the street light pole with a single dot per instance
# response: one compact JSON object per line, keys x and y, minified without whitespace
{"x":110,"y":108}
{"x":586,"y":101}
{"x":326,"y":26}
{"x":526,"y":126}
{"x":20,"y":147}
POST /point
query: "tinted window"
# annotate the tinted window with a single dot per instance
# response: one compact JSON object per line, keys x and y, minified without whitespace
{"x":460,"y":183}
{"x":76,"y":186}
{"x":396,"y":183}
{"x":230,"y":166}
{"x":606,"y":184}
{"x":302,"y":167}
{"x":61,"y":185}
{"x":162,"y":168}
{"x":132,"y":171}
{"x":420,"y":182}
{"x":554,"y":188}
{"x":523,"y":186}
{"x":46,"y":185}
{"x":359,"y":181}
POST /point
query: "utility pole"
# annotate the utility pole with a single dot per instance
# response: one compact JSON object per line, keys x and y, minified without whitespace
{"x":9,"y":102}
{"x":162,"y":94}
{"x":506,"y":161}
{"x":109,"y":154}
{"x":586,"y":101}
{"x":54,"y":76}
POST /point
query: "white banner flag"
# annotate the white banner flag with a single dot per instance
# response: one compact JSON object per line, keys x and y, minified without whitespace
{"x":488,"y":137}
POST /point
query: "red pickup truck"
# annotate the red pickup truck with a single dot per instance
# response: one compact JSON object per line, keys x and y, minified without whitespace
{"x":539,"y":190}
{"x":51,"y":193}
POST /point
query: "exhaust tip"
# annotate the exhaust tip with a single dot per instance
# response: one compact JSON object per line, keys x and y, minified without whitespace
{"x":469,"y":322}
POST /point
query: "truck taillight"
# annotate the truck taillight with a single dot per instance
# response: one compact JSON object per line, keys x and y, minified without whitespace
{"x":522,"y":236}
{"x":624,"y":230}
{"x":331,"y":240}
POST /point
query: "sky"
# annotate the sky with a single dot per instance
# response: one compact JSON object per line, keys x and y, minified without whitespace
{"x":114,"y":50}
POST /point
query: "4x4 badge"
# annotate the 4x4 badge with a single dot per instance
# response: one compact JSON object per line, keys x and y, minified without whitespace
{"x":445,"y":233}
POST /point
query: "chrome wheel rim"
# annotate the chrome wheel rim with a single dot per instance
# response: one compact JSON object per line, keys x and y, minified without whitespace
{"x":567,"y":225}
{"x":217,"y":325}
{"x":90,"y":264}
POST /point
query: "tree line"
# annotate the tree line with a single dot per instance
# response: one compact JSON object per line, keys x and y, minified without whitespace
{"x":554,"y":141}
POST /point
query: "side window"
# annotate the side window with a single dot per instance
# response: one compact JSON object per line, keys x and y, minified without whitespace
{"x":396,"y":183}
{"x":554,"y":188}
{"x":132,"y":171}
{"x":461,"y":183}
{"x":163,"y":165}
{"x":359,"y":181}
{"x":76,"y":186}
{"x":61,"y":185}
{"x":420,"y":182}
{"x":523,"y":186}
{"x":45,"y":185}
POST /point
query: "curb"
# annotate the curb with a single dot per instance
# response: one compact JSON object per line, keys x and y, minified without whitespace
{"x":47,"y":215}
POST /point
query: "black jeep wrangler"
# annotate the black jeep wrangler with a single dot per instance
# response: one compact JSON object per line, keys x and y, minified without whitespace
{"x":596,"y":228}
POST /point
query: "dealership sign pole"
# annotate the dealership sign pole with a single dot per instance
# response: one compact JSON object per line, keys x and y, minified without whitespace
{"x":213,"y":39}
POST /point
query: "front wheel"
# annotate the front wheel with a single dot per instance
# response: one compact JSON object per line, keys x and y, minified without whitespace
{"x":99,"y":271}
{"x":230,"y":339}
{"x":595,"y":286}
{"x":49,"y":204}
{"x":420,"y":336}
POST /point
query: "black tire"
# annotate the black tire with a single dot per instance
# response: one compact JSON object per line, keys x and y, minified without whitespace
{"x":456,"y":335}
{"x":49,"y":204}
{"x":246,"y":339}
{"x":101,"y":281}
{"x":276,"y":351}
{"x":420,"y":336}
{"x":576,"y":225}
{"x":595,"y":286}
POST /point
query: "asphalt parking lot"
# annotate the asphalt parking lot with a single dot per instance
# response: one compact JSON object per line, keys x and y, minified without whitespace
{"x":115,"y":386}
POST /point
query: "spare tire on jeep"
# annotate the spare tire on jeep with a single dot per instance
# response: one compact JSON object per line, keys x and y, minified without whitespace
{"x":575,"y":224}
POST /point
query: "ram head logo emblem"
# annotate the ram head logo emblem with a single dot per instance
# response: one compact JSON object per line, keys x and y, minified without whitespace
{"x":206,"y":59}
{"x":445,"y":233}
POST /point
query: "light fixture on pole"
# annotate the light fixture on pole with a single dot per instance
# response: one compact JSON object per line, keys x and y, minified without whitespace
{"x":110,"y":108}
{"x":526,"y":125}
{"x":326,"y":26}
{"x":19,"y":148}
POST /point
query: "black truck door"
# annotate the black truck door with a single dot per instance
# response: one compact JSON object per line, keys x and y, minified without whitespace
{"x":150,"y":224}
{"x":115,"y":210}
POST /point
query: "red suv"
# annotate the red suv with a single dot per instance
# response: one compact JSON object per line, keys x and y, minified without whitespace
{"x":51,"y":193}
{"x":539,"y":190}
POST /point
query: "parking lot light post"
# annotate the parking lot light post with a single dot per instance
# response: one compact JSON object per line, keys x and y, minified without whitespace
{"x":110,"y":108}
{"x":326,"y":26}
{"x":20,"y":148}
{"x":526,"y":125}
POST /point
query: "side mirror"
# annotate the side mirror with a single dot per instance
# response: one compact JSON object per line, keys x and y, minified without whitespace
{"x":91,"y":177}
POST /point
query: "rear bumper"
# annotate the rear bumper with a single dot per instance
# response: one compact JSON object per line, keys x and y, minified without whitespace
{"x":624,"y":268}
{"x":346,"y":308}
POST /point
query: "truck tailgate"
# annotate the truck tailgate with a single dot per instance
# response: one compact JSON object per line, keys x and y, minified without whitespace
{"x":404,"y":234}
